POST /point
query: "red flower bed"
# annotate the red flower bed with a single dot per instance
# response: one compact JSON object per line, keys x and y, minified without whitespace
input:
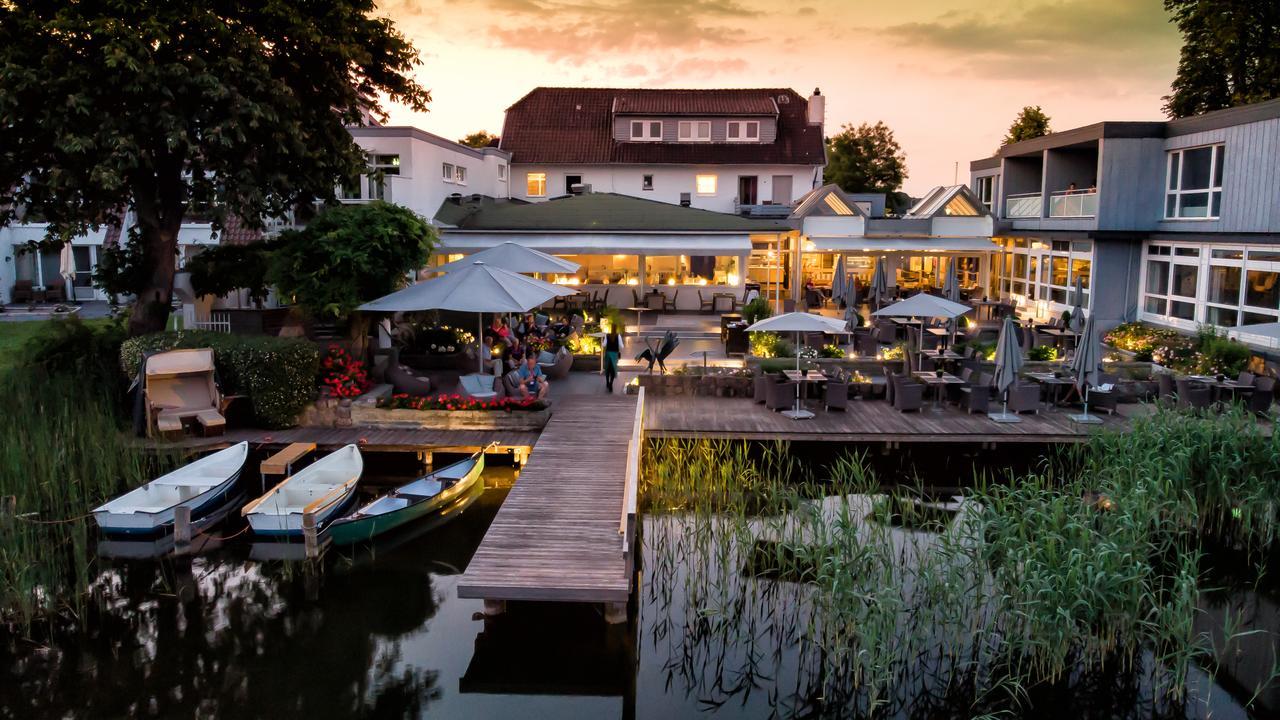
{"x":404,"y":401}
{"x":343,"y":375}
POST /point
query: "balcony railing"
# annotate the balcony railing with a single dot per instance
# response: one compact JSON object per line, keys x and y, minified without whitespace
{"x":1025,"y":205}
{"x":1073,"y":204}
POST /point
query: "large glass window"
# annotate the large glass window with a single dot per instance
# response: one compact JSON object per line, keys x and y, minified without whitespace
{"x":1194,"y":183}
{"x":601,"y":270}
{"x":536,"y":184}
{"x":692,"y":270}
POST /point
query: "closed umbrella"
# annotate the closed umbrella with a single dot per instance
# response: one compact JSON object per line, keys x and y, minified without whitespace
{"x":67,"y":269}
{"x":879,"y":283}
{"x":477,"y":288}
{"x":1084,"y":366}
{"x":1077,"y":310}
{"x":514,"y":257}
{"x":838,"y":280}
{"x":798,"y":322}
{"x":851,"y":290}
{"x":951,"y":286}
{"x":1008,"y":364}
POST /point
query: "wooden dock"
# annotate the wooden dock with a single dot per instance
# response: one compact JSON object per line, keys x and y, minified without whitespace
{"x":864,"y":421}
{"x":369,"y":439}
{"x":565,"y":532}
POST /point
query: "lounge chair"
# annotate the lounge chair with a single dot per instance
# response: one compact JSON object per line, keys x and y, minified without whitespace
{"x":480,"y":387}
{"x":837,"y":395}
{"x":179,"y":388}
{"x":782,"y":395}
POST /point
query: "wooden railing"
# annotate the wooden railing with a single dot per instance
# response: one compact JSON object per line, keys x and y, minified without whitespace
{"x":631,"y":488}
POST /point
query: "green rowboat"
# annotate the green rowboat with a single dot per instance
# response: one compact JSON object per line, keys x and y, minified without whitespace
{"x":419,"y":499}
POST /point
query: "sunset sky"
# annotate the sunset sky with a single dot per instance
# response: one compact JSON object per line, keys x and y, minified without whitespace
{"x":948,"y":76}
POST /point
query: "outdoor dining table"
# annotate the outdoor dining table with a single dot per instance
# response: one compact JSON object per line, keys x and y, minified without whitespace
{"x":801,"y":377}
{"x":639,"y":317}
{"x":1052,"y":385}
{"x":939,"y":382}
{"x":1060,"y":334}
{"x":1225,"y":385}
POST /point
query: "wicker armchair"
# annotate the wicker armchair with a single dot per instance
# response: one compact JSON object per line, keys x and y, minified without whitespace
{"x":782,"y":395}
{"x":1264,"y":393}
{"x":761,"y":387}
{"x":836,"y":395}
{"x":907,"y":394}
{"x":1024,"y":398}
{"x":1193,"y":395}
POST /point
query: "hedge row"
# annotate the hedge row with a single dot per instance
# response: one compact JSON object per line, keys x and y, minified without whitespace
{"x":277,"y":374}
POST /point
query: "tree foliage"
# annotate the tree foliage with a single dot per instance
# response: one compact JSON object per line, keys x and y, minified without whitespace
{"x":1030,"y":123}
{"x":1230,"y":54}
{"x":349,"y":255}
{"x":156,"y":107}
{"x":224,"y":269}
{"x":867,"y":159}
{"x":479,"y":139}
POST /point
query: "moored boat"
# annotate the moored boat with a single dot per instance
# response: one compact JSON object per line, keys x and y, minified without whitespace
{"x":206,"y":486}
{"x":323,"y":489}
{"x":416,"y":500}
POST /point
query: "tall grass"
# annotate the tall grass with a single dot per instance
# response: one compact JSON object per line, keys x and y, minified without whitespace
{"x":64,"y":451}
{"x":1086,"y":567}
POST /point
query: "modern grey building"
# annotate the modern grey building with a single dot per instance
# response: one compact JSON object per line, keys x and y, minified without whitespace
{"x":1176,"y":223}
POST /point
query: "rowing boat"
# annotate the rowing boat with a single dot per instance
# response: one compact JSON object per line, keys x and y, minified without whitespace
{"x":206,"y":486}
{"x":419,"y":499}
{"x":323,"y":490}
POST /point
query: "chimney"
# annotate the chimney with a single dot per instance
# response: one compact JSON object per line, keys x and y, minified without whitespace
{"x":817,"y":108}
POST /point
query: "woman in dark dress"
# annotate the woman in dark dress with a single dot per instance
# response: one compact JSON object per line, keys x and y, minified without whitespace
{"x":612,"y":349}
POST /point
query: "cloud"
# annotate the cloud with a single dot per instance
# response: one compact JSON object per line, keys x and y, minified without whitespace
{"x":1053,"y":41}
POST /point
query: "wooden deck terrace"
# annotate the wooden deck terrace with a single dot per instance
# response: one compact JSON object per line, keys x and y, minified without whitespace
{"x":369,"y":440}
{"x":566,"y":530}
{"x":867,"y":421}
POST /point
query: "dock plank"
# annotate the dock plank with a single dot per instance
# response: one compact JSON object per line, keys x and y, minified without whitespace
{"x":556,"y":537}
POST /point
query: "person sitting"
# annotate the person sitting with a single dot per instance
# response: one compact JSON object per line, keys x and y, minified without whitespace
{"x":498,"y":328}
{"x":528,"y":327}
{"x":533,"y":384}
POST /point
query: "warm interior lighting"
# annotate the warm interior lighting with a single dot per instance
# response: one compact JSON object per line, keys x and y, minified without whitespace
{"x":706,"y":184}
{"x":733,"y":278}
{"x":633,"y":281}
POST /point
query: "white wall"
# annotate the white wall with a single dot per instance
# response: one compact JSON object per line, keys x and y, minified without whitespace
{"x":669,"y":181}
{"x":421,"y":186}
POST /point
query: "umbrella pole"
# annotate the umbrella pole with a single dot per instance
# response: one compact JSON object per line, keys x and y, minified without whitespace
{"x":480,"y":343}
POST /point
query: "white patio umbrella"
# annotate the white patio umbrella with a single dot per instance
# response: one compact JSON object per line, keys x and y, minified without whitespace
{"x":514,"y":257}
{"x":477,"y":288}
{"x":67,"y":269}
{"x":1077,"y":310}
{"x":798,"y":322}
{"x":879,"y":283}
{"x":1084,"y":365}
{"x":1008,"y":364}
{"x":924,"y":305}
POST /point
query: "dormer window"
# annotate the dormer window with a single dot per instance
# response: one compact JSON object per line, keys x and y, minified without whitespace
{"x":694,"y":131}
{"x":743,"y":131}
{"x":646,"y":130}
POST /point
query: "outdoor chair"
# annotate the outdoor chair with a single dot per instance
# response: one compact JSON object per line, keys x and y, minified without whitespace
{"x":55,"y":291}
{"x":23,"y":292}
{"x":179,"y":387}
{"x":1106,"y":400}
{"x":1245,"y":378}
{"x":907,"y":394}
{"x":1192,"y":395}
{"x":559,"y":367}
{"x":868,"y":344}
{"x":782,"y":395}
{"x":635,"y":298}
{"x":976,"y":396}
{"x":705,"y":304}
{"x":1264,"y":392}
{"x":815,"y":340}
{"x":837,"y":395}
{"x":478,"y":386}
{"x":761,"y":387}
{"x":1024,"y":398}
{"x":669,"y":304}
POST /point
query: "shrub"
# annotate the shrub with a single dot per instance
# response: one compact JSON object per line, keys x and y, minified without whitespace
{"x":1043,"y":353}
{"x":342,"y":374}
{"x":404,"y":401}
{"x":831,"y":351}
{"x":756,"y":310}
{"x":277,"y":374}
{"x":770,"y":345}
{"x":84,"y":351}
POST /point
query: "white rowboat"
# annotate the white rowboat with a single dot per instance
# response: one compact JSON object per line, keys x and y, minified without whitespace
{"x":321,"y":489}
{"x":207,"y":486}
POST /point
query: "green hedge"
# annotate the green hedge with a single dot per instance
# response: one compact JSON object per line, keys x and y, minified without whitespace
{"x":277,"y":374}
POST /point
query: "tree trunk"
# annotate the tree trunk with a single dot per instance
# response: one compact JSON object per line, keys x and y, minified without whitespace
{"x":153,"y":301}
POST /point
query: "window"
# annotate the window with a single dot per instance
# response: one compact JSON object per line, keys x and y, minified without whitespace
{"x":1171,"y":283}
{"x":502,"y":172}
{"x":1194,"y":187}
{"x":706,"y":184}
{"x":986,"y":190}
{"x":536,"y":184}
{"x":691,"y":270}
{"x":601,"y":270}
{"x":646,"y":130}
{"x":694,"y":131}
{"x":570,"y":181}
{"x":646,"y":182}
{"x":1038,"y":270}
{"x":743,"y":131}
{"x":447,"y":172}
{"x":460,"y":175}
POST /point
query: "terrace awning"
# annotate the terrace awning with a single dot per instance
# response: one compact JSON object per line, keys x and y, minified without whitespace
{"x":605,"y":243}
{"x":837,"y":243}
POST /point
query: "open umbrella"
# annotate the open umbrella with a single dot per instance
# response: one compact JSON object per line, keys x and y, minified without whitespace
{"x":879,"y":283}
{"x":477,"y":288}
{"x":67,"y":269}
{"x":924,"y":305}
{"x":1008,"y":364}
{"x":1077,"y":310}
{"x":514,"y":257}
{"x":798,"y":322}
{"x":1084,"y":366}
{"x":838,"y":281}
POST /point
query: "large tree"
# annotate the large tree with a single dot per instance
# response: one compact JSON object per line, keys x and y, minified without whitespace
{"x":155,"y":107}
{"x":867,"y":159}
{"x":1230,"y":54}
{"x":479,"y":139}
{"x":1030,"y":123}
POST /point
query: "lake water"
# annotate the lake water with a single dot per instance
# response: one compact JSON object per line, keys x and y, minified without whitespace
{"x":380,"y":633}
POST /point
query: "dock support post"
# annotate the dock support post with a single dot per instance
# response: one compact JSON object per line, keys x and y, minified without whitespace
{"x":309,"y":539}
{"x":182,"y":526}
{"x":493,"y":608}
{"x":615,"y":613}
{"x":428,"y":459}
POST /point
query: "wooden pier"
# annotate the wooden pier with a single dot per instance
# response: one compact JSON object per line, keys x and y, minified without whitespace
{"x":566,"y":530}
{"x":369,"y":439}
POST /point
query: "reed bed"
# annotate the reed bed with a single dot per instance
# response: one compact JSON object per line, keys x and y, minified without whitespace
{"x":1087,"y":570}
{"x":64,"y":452}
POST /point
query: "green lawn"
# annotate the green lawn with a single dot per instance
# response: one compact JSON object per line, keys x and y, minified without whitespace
{"x":14,"y":334}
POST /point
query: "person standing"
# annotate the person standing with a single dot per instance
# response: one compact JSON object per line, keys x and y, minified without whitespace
{"x":612,"y":349}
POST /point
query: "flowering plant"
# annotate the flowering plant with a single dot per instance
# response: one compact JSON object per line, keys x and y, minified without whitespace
{"x":404,"y":401}
{"x":538,"y":344}
{"x":343,"y":375}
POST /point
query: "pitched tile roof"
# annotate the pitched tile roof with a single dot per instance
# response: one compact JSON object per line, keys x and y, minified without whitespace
{"x":595,"y":212}
{"x":575,"y":125}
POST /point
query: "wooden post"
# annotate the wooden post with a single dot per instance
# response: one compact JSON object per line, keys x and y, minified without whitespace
{"x":493,"y":608}
{"x":309,"y":539}
{"x":182,"y":525}
{"x":615,"y":613}
{"x":428,"y":459}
